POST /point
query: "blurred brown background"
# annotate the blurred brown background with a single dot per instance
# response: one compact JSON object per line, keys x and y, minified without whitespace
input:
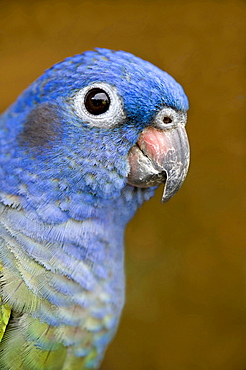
{"x":186,"y":260}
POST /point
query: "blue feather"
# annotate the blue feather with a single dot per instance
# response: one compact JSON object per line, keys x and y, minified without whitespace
{"x":65,"y":201}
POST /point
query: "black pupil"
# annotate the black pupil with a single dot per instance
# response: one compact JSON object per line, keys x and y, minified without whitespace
{"x":97,"y":101}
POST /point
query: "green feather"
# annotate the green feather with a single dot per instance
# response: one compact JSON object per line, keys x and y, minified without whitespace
{"x":5,"y":312}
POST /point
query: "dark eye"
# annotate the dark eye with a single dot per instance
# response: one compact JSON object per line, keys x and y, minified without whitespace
{"x":97,"y":101}
{"x":167,"y":119}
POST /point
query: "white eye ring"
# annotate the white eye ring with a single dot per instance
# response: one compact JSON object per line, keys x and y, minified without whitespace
{"x":172,"y":117}
{"x":112,"y":117}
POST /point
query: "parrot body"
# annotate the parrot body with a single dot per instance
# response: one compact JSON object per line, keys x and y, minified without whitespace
{"x":69,"y":183}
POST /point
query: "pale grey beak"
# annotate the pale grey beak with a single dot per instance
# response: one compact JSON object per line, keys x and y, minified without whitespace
{"x":160,"y":156}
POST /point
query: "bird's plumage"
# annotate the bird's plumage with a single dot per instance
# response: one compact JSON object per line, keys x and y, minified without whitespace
{"x":65,"y":199}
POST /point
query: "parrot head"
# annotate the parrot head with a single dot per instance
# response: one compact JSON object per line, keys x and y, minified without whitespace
{"x":96,"y":123}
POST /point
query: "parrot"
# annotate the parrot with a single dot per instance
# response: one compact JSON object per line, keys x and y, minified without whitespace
{"x":81,"y":149}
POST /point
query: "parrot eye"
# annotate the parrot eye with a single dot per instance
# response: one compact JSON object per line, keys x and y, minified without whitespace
{"x":97,"y":101}
{"x":99,"y":104}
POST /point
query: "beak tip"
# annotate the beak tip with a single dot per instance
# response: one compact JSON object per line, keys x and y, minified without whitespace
{"x":164,"y":200}
{"x":172,"y":185}
{"x":166,"y":197}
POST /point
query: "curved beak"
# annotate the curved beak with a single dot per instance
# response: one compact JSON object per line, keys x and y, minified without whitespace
{"x":160,"y":156}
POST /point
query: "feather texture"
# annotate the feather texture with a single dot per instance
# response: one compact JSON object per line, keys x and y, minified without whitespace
{"x":65,"y":201}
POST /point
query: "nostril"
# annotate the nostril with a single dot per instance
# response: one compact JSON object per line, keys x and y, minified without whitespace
{"x":167,"y":119}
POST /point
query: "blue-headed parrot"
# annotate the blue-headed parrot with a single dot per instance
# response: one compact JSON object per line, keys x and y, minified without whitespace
{"x":80,"y":150}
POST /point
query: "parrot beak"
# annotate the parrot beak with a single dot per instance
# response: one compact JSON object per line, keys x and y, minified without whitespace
{"x":160,"y":156}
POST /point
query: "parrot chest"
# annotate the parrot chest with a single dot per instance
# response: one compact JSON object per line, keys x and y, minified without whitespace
{"x":65,"y":284}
